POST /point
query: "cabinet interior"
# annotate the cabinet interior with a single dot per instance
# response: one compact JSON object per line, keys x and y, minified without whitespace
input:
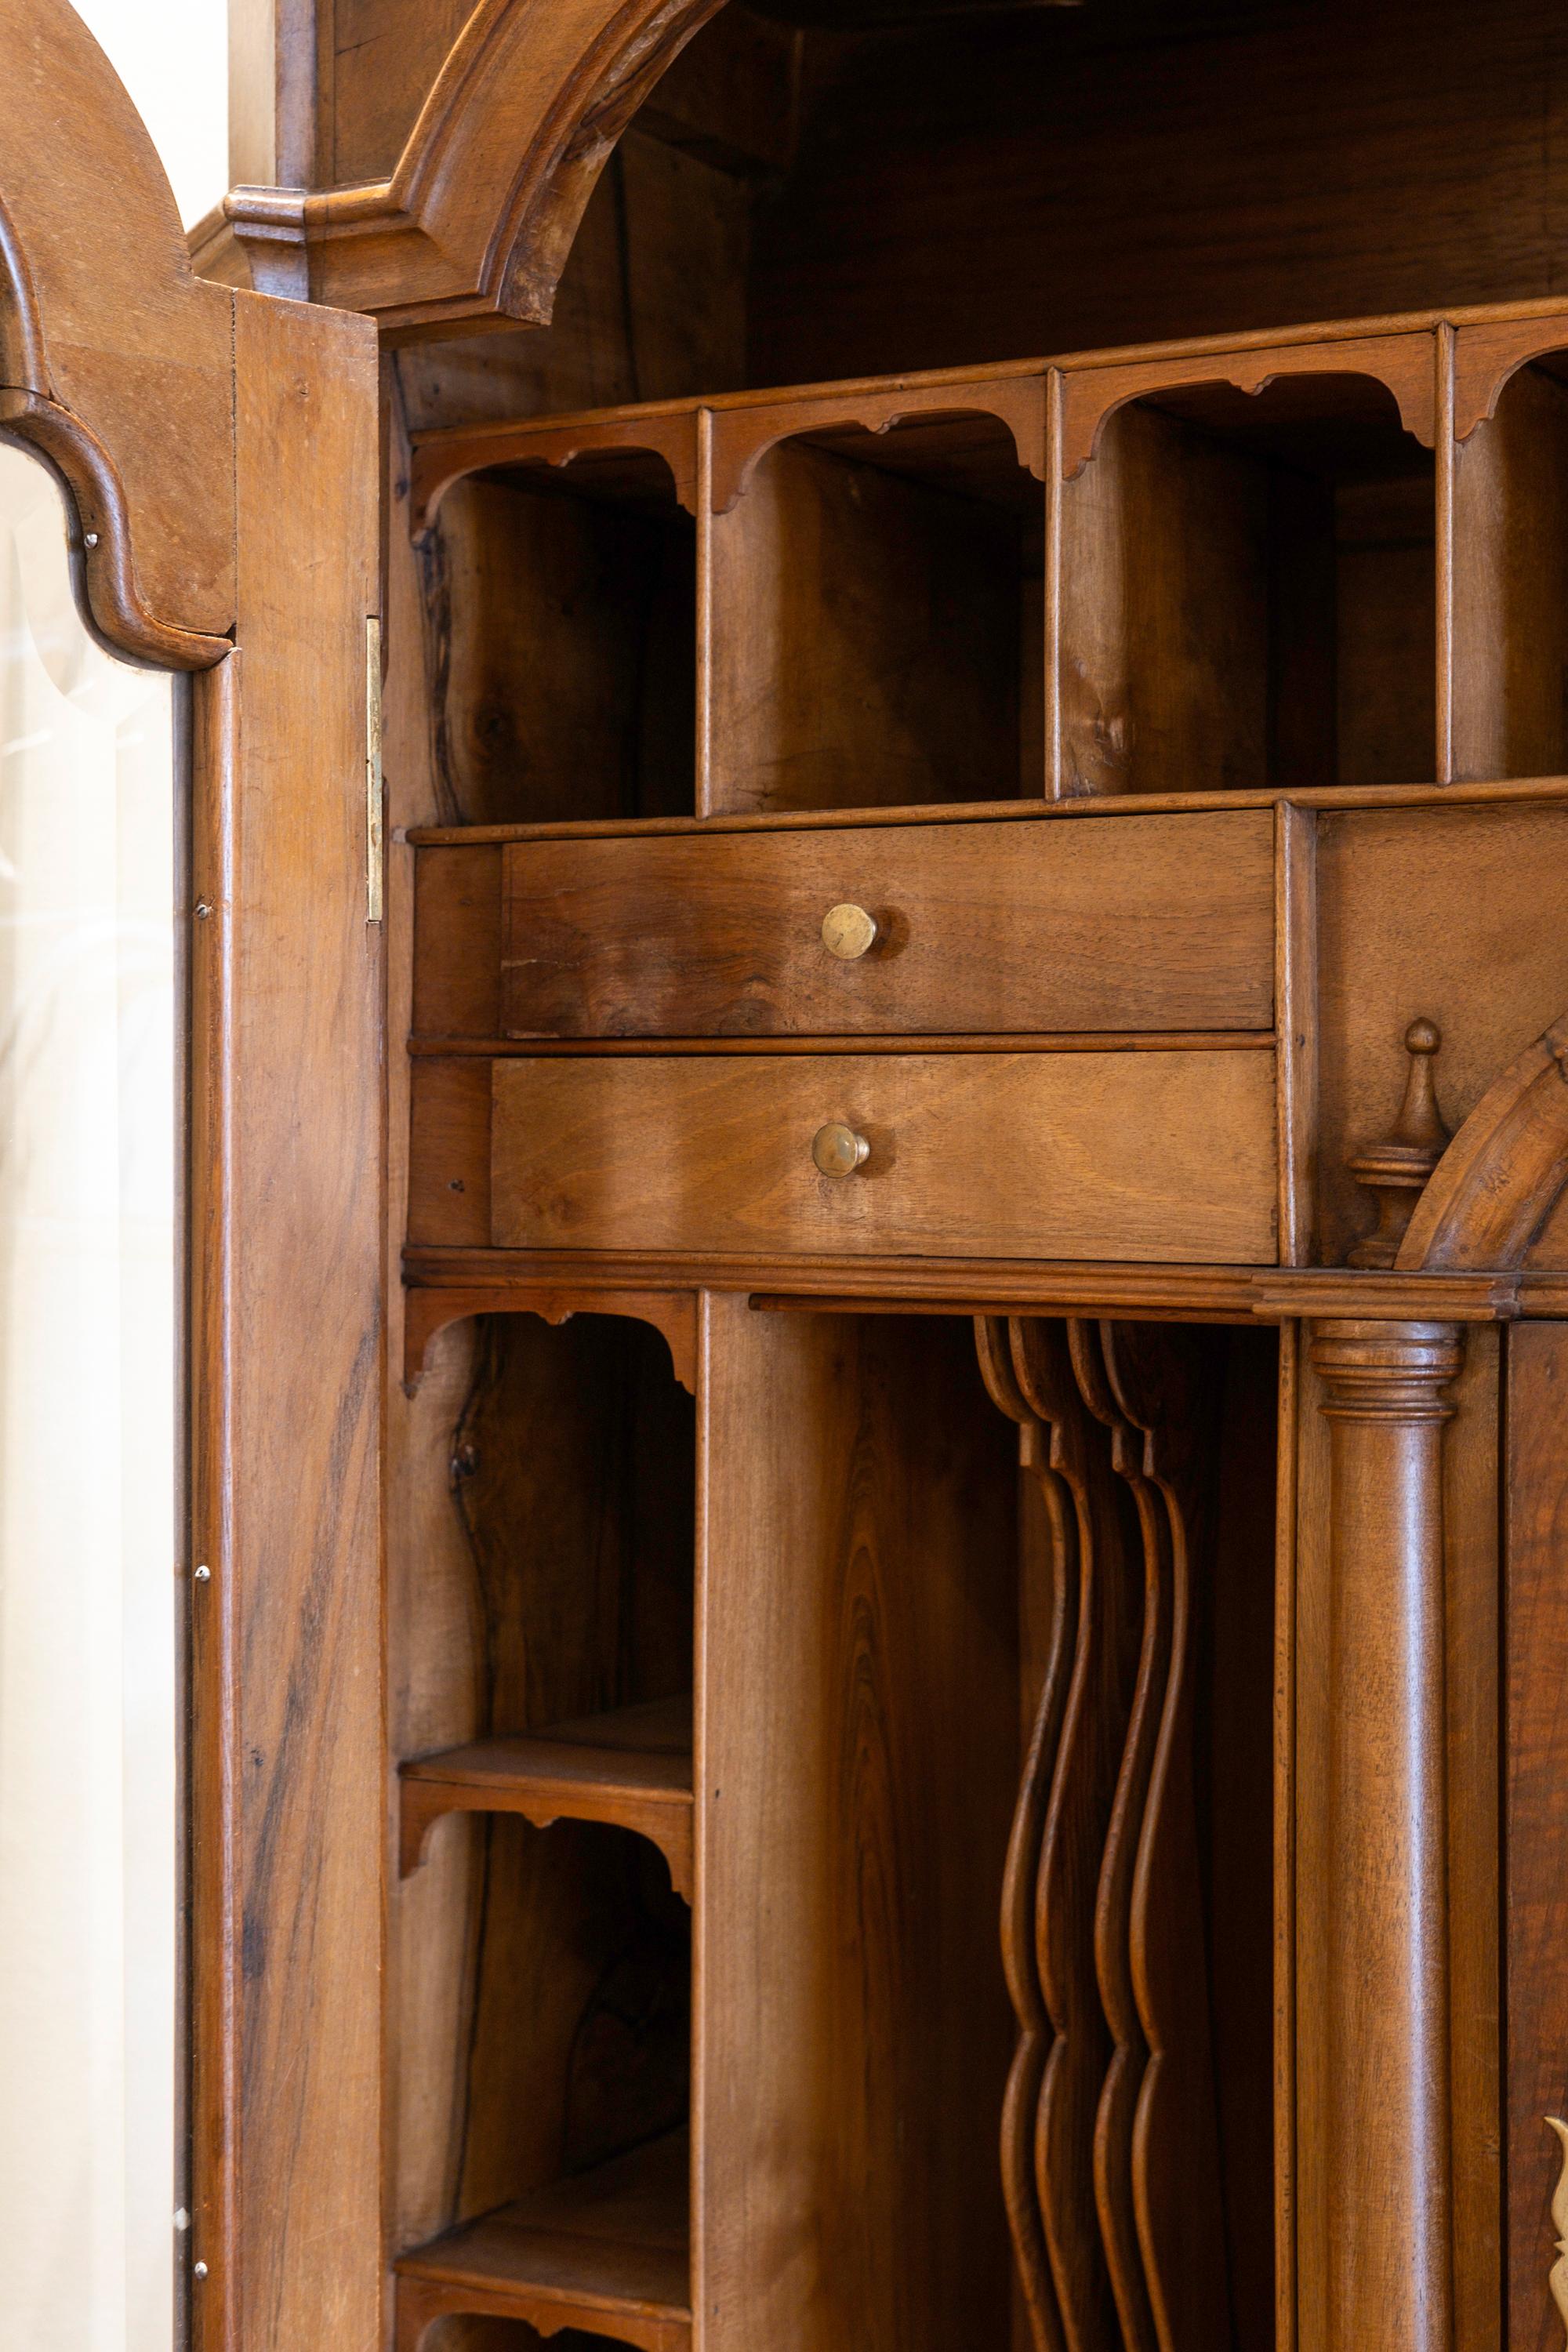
{"x":879,"y":1595}
{"x":838,"y":1560}
{"x":1251,"y":594}
{"x":878,"y":622}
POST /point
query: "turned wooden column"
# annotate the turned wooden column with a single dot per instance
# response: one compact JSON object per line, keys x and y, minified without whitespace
{"x":1390,"y":2273}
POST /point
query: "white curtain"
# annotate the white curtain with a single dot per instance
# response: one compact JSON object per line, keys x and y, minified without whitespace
{"x":87,"y":1375}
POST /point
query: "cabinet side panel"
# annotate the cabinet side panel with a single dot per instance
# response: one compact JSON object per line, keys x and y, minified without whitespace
{"x":859,"y":1762}
{"x":1471,"y":1545}
{"x":285,"y":869}
{"x":1535,"y":1641}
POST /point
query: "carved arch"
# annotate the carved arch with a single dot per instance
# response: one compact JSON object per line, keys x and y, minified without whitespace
{"x":478,"y":218}
{"x":1503,"y":1174}
{"x":115,"y":361}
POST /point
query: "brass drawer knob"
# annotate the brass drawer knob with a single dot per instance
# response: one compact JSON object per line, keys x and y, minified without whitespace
{"x":837,"y":1149}
{"x":849,"y":932}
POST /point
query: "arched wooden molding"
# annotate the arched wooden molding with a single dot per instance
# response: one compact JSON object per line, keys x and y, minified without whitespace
{"x":1406,"y":365}
{"x":443,"y":458}
{"x":742,"y":437}
{"x":1487,"y":354}
{"x":124,"y":357}
{"x":1500,"y":1178}
{"x":478,"y":218}
{"x":673,"y":1313}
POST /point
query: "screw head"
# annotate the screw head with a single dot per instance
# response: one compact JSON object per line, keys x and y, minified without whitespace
{"x":203,"y":1575}
{"x":203,"y":910}
{"x":90,"y":538}
{"x":199,"y":2269}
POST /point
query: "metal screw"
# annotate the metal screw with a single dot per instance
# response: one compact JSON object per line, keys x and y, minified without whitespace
{"x":203,"y":910}
{"x":92,"y":537}
{"x":204,"y":1576}
{"x":199,"y":2269}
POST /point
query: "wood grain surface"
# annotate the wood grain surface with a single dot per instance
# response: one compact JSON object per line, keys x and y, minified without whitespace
{"x":1156,"y":1155}
{"x":980,"y":928}
{"x":288,"y":1787}
{"x":858,"y":1761}
{"x":1536,"y":1835}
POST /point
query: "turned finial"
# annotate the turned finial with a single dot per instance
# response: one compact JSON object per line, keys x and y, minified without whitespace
{"x":1395,"y":1171}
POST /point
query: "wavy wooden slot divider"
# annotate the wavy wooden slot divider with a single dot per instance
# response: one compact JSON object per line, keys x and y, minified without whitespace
{"x":1022,"y":2104}
{"x":1077,"y":1818}
{"x":1158,"y":1382}
{"x":1090,"y":1344}
{"x":1111,"y":2143}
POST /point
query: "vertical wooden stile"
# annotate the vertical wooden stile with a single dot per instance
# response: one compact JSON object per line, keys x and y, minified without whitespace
{"x":1053,"y":599}
{"x":705,"y":1341}
{"x":1285,"y":2326}
{"x":1447,"y":452}
{"x":703,"y":786}
{"x":1295,"y":1027}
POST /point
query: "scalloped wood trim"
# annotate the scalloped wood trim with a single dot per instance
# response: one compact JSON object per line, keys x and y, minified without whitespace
{"x":1405,"y":363}
{"x":673,"y":1313}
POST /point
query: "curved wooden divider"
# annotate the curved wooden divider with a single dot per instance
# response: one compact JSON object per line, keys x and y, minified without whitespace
{"x":1113,"y":2080}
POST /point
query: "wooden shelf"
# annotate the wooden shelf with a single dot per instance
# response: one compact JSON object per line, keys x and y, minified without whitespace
{"x":631,"y":1768}
{"x":605,"y":2252}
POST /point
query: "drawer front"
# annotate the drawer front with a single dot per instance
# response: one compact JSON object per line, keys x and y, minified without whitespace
{"x":1076,"y":1155}
{"x":1062,"y":924}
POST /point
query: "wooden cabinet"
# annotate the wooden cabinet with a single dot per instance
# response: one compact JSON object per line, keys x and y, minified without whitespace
{"x":877,"y":1251}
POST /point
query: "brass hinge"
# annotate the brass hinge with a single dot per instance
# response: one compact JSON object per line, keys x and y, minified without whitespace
{"x":374,"y":855}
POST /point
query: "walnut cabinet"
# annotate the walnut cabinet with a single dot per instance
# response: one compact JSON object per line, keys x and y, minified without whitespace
{"x":877,"y":1277}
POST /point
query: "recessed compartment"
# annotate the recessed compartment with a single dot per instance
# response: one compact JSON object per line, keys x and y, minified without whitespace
{"x":543,"y":1666}
{"x":1249,"y":592}
{"x":1511,"y":581}
{"x":877,"y":632}
{"x":564,"y":601}
{"x":894,"y":1613}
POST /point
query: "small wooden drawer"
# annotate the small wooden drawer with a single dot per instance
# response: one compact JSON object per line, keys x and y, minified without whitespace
{"x":1135,"y":1155}
{"x":1115,"y":923}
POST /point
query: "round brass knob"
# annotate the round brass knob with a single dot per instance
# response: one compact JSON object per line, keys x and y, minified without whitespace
{"x":849,"y":932}
{"x":837,"y":1149}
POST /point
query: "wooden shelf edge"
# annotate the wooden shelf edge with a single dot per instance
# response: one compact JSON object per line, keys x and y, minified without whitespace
{"x":601,"y":2251}
{"x":1202,"y":1294}
{"x":1346,"y":797}
{"x":631,"y":1771}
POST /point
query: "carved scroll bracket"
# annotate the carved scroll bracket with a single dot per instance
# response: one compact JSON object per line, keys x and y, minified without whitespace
{"x":428,"y":1311}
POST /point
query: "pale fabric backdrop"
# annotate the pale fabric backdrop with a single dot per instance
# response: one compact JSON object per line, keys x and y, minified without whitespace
{"x":173,"y":56}
{"x":87,"y":1368}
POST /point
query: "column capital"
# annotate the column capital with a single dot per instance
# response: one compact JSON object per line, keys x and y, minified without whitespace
{"x":1387,"y":1371}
